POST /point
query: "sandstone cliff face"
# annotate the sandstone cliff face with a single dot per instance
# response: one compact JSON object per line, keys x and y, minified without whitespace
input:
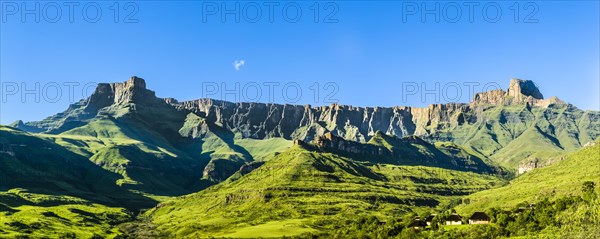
{"x":520,"y":89}
{"x":260,"y":120}
{"x":133,"y":90}
{"x":410,"y":150}
{"x":530,"y":165}
{"x":130,"y":99}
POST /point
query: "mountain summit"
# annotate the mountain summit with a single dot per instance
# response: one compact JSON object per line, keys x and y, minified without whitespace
{"x":519,"y":92}
{"x":518,"y":88}
{"x":132,"y":91}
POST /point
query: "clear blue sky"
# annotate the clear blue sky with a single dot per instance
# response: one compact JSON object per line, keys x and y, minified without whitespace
{"x":370,"y":52}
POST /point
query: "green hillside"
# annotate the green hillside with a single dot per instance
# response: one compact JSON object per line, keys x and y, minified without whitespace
{"x":145,"y":160}
{"x":301,"y":191}
{"x":32,"y":215}
{"x":41,"y":166}
{"x":412,"y":150}
{"x":559,"y":179}
{"x":511,"y":134}
{"x":46,"y":190}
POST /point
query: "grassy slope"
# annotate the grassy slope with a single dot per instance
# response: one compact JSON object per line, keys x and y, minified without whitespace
{"x":40,"y":215}
{"x":415,"y":151}
{"x":224,"y":151}
{"x":262,"y":150}
{"x":146,"y":160}
{"x":47,"y":190}
{"x":299,"y":191}
{"x":516,"y":133}
{"x":50,"y":167}
{"x":41,"y":166}
{"x":531,"y":144}
{"x":562,"y":178}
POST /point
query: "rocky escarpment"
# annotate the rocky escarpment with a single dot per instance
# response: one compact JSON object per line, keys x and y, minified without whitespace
{"x":265,"y":120}
{"x":410,"y":150}
{"x":260,"y":120}
{"x":528,"y":166}
{"x":328,"y":141}
{"x":489,"y":123}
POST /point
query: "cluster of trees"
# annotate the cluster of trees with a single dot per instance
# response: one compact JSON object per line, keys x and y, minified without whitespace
{"x":567,"y":216}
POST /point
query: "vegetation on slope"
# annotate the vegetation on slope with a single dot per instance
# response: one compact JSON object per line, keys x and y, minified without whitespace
{"x":31,"y":215}
{"x":123,"y":150}
{"x":551,"y":217}
{"x":44,"y":167}
{"x":304,"y":191}
{"x":512,"y":134}
{"x":412,"y":150}
{"x":559,"y":179}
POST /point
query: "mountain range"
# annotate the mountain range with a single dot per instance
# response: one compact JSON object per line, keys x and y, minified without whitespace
{"x":496,"y":124}
{"x":213,"y":168}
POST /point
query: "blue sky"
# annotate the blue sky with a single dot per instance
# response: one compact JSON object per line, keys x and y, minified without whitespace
{"x":366,"y":53}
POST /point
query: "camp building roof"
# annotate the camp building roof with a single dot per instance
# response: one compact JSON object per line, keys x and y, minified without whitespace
{"x":480,"y":216}
{"x":417,"y":223}
{"x":454,"y":217}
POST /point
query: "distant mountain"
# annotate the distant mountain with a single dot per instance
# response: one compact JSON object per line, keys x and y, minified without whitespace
{"x":510,"y":127}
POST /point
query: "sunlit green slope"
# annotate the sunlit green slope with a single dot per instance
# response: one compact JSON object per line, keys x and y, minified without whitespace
{"x":559,"y":179}
{"x":301,"y":191}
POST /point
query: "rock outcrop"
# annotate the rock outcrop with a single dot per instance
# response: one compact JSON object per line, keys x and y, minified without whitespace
{"x":410,"y":150}
{"x":265,"y":120}
{"x":328,"y":141}
{"x":132,"y":91}
{"x":528,"y":166}
{"x":115,"y":100}
{"x":519,"y":92}
{"x":520,"y":89}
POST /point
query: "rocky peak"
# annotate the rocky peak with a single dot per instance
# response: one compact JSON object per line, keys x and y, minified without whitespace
{"x":519,"y":92}
{"x":132,"y":91}
{"x":522,"y":88}
{"x":136,"y":82}
{"x":19,"y":124}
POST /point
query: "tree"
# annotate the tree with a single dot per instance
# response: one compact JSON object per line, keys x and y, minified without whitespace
{"x":502,"y":219}
{"x":589,"y":193}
